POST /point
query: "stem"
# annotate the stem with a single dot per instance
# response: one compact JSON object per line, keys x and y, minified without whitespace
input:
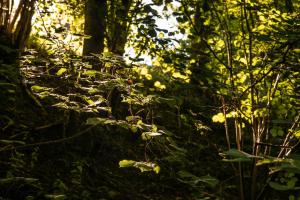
{"x":62,"y":140}
{"x":225,"y":124}
{"x":241,"y":178}
{"x":288,"y":137}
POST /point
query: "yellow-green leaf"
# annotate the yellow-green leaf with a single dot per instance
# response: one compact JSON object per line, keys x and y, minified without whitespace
{"x":36,"y":88}
{"x":126,"y":163}
{"x":156,"y":169}
{"x":218,"y":118}
{"x":297,"y":134}
{"x":61,"y":71}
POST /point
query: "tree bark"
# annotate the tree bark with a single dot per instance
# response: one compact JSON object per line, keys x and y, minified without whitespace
{"x":94,"y":27}
{"x":118,"y":31}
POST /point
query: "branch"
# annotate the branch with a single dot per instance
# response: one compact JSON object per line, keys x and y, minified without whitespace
{"x":62,"y":140}
{"x":202,"y":40}
{"x":282,"y":62}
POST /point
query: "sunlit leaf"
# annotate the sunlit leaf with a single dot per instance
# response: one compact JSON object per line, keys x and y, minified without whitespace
{"x":91,"y":72}
{"x":37,"y":88}
{"x":134,"y":128}
{"x":132,"y":118}
{"x":297,"y":134}
{"x":153,"y":134}
{"x":61,"y":71}
{"x":297,"y":50}
{"x":269,"y":161}
{"x":146,"y":136}
{"x":158,"y":85}
{"x":61,"y":105}
{"x":243,"y":60}
{"x":156,"y":169}
{"x":126,"y":163}
{"x":143,"y":166}
{"x":218,"y":118}
{"x":147,"y":166}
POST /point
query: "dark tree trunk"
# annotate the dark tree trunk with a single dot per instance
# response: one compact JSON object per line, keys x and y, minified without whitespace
{"x":118,"y":30}
{"x":95,"y":12}
{"x":24,"y":25}
{"x":16,"y":24}
{"x":199,"y":46}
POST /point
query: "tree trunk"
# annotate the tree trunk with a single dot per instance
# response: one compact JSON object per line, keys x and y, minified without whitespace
{"x":16,"y":24}
{"x":94,"y":27}
{"x":118,"y":31}
{"x":23,"y":28}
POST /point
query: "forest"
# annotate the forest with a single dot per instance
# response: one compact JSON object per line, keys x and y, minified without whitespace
{"x":150,"y":99}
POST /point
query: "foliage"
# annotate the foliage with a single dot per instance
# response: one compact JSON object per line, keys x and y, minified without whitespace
{"x":218,"y":104}
{"x":143,"y":166}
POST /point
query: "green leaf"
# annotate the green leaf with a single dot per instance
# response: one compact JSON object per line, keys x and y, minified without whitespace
{"x":90,"y":102}
{"x":95,"y":121}
{"x":61,"y":71}
{"x":209,"y":180}
{"x":297,"y":134}
{"x":149,"y":135}
{"x":269,"y":161}
{"x":281,"y":187}
{"x":92,"y":91}
{"x":280,"y":132}
{"x":182,"y":150}
{"x":56,"y":196}
{"x":127,"y":163}
{"x":107,"y":121}
{"x":234,"y":155}
{"x":44,"y":94}
{"x":143,"y":166}
{"x":147,"y":166}
{"x":154,"y":134}
{"x":156,"y":169}
{"x":133,"y":119}
{"x":274,"y":131}
{"x":193,"y":180}
{"x":237,"y":160}
{"x":146,"y":137}
{"x":297,"y":50}
{"x":243,"y":60}
{"x":36,"y":88}
{"x":218,"y":118}
{"x":61,"y":105}
{"x":123,"y":124}
{"x":91,"y":72}
{"x":287,"y":164}
{"x":134,"y":128}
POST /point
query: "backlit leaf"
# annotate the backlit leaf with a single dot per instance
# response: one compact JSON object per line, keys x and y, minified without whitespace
{"x":61,"y":71}
{"x":126,"y":163}
{"x":297,"y":134}
{"x":218,"y":118}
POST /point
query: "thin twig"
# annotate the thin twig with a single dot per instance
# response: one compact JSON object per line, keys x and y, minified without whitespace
{"x":62,"y":140}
